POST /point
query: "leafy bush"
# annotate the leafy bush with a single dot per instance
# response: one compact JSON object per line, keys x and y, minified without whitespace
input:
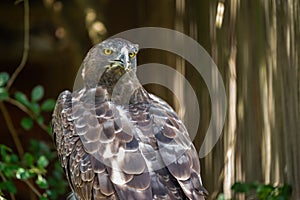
{"x":261,"y":191}
{"x":39,"y":166}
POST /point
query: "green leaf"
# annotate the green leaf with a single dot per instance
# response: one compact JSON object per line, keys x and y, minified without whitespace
{"x":281,"y":197}
{"x":4,"y":77}
{"x":42,"y":162}
{"x":221,"y":197}
{"x":14,"y":158}
{"x":48,"y":105}
{"x":3,"y":94}
{"x":22,"y":98}
{"x":37,"y":93}
{"x":9,"y":170}
{"x":9,"y":186}
{"x":286,"y":190}
{"x":7,"y":156}
{"x":40,"y":148}
{"x":40,"y":119}
{"x":23,"y":174}
{"x":41,"y":182}
{"x":49,"y":192}
{"x":35,"y":108}
{"x":263,"y":191}
{"x":28,"y":158}
{"x":44,"y":197}
{"x":26,"y":123}
{"x":239,"y":187}
{"x":4,"y":150}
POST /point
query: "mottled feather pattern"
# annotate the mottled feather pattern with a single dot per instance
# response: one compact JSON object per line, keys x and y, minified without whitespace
{"x":112,"y":150}
{"x":151,"y":145}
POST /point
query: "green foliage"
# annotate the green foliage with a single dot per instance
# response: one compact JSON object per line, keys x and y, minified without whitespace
{"x":221,"y":197}
{"x":261,"y":191}
{"x":9,"y":186}
{"x":37,"y":93}
{"x":239,"y":187}
{"x":27,"y":123}
{"x":22,"y":98}
{"x":34,"y":106}
{"x":3,"y":94}
{"x":272,"y":192}
{"x":4,"y":77}
{"x":48,"y":105}
{"x":32,"y":166}
{"x":38,"y":166}
{"x":42,"y":162}
{"x":41,"y":182}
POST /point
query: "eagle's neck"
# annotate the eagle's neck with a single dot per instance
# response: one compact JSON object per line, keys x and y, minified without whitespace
{"x":110,"y":78}
{"x":122,"y":87}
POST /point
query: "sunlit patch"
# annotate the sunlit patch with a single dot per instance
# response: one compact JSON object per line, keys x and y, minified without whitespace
{"x":57,"y":6}
{"x":220,"y":14}
{"x":99,"y":27}
{"x":95,"y":27}
{"x":48,"y":3}
{"x":60,"y":32}
{"x":90,"y":15}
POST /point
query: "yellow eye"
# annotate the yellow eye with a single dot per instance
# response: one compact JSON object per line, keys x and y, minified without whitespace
{"x":131,"y":54}
{"x":107,"y":51}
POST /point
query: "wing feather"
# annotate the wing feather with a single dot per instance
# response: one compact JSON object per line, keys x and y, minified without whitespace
{"x":177,"y":150}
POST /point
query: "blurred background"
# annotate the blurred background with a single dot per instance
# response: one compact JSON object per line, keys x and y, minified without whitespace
{"x":254,"y":43}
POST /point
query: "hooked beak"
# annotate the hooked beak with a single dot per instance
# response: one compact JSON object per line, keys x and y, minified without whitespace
{"x":123,"y":60}
{"x":121,"y":63}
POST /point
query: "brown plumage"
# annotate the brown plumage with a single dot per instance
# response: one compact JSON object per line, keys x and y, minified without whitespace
{"x":116,"y":141}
